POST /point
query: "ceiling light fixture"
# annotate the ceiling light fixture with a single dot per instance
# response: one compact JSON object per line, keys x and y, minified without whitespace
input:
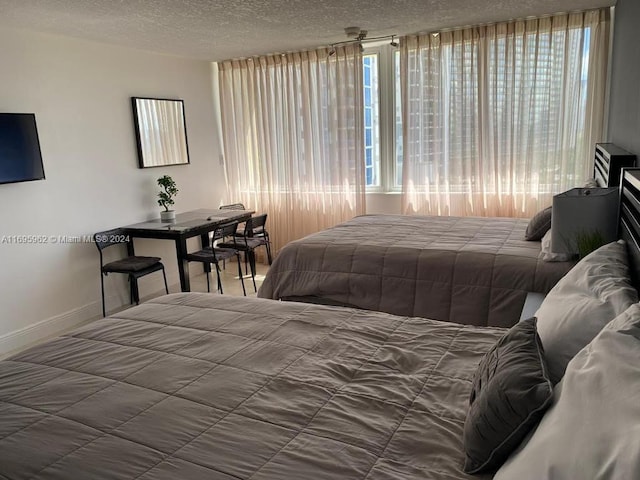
{"x":393,"y":41}
{"x":352,"y":32}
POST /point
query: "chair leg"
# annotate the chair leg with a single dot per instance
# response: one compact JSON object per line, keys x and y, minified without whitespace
{"x":166,"y":287}
{"x":131,"y":296}
{"x":207,"y":273}
{"x":219,"y":280}
{"x":268,"y":247}
{"x":244,"y":291}
{"x":135,"y":296}
{"x":104,"y":312}
{"x":252,"y":264}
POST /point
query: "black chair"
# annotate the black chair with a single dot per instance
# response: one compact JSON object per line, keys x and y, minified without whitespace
{"x":214,"y":254}
{"x":247,"y":243}
{"x":132,"y":266}
{"x":257,"y":231}
{"x":231,"y":206}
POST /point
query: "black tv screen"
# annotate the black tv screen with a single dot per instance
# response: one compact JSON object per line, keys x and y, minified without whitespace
{"x":20,"y":157}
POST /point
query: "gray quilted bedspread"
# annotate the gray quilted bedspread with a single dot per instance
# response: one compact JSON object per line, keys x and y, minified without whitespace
{"x":467,"y":270}
{"x":203,"y":386}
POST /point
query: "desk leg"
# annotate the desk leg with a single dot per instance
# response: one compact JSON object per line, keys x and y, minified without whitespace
{"x":183,"y":265}
{"x":204,"y":241}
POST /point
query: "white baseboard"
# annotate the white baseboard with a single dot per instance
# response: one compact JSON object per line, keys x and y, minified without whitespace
{"x":27,"y":336}
{"x":22,"y":338}
{"x":17,"y":340}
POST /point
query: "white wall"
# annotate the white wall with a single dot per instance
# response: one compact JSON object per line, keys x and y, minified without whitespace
{"x":80,"y":93}
{"x":624,"y":111}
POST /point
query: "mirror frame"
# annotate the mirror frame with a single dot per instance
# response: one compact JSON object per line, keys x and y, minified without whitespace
{"x":143,"y":159}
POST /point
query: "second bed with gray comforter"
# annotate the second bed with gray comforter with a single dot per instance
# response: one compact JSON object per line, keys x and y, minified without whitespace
{"x":467,"y":270}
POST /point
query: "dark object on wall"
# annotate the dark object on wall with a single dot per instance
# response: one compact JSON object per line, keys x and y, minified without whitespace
{"x":609,"y":162}
{"x":161,"y":132}
{"x":20,"y":156}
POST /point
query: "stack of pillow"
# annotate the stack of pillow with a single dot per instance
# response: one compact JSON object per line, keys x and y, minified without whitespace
{"x":558,"y":396}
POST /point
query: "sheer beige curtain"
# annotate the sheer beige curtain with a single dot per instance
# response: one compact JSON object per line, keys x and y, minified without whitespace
{"x":498,"y":118}
{"x":293,"y":138}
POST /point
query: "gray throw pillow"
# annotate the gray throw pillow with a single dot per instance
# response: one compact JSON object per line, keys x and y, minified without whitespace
{"x":511,"y":390}
{"x":538,"y":225}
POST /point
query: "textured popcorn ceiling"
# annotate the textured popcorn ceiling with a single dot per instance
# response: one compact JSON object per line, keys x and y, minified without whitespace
{"x":218,"y":30}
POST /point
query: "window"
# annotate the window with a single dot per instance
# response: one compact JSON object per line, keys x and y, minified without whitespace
{"x":371,"y":100}
{"x":382,"y":118}
{"x":398,"y":124}
{"x":502,"y":116}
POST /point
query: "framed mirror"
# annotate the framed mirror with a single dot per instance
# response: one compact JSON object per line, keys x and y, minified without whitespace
{"x":161,"y":132}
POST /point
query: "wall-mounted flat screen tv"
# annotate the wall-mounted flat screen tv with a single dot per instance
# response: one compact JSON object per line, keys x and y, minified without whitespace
{"x":20,"y":157}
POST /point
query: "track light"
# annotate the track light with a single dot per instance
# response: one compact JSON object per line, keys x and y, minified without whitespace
{"x":359,"y":37}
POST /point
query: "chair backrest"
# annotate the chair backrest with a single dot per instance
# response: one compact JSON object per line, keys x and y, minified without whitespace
{"x":233,"y":206}
{"x":116,"y":236}
{"x":107,"y":238}
{"x":225,"y":230}
{"x":255,"y":222}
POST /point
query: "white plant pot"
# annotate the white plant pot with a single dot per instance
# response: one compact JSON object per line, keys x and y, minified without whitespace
{"x":168,"y":216}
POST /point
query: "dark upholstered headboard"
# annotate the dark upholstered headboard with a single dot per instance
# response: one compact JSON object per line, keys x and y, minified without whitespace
{"x":608,"y":163}
{"x":629,"y":228}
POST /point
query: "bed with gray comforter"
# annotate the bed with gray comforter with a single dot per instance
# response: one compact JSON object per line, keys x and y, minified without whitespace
{"x":467,"y":270}
{"x":195,"y":386}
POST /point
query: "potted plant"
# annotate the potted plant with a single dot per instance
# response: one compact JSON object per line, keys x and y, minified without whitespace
{"x":587,"y":242}
{"x":165,"y":197}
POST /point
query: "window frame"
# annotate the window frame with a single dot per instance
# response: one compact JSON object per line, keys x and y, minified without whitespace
{"x":378,"y":170}
{"x":387,"y":105}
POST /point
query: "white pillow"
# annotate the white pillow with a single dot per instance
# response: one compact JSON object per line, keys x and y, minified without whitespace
{"x":593,"y":429}
{"x":588,"y":297}
{"x":548,"y":255}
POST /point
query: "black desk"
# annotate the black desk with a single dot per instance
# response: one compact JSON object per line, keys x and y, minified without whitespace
{"x":186,"y":225}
